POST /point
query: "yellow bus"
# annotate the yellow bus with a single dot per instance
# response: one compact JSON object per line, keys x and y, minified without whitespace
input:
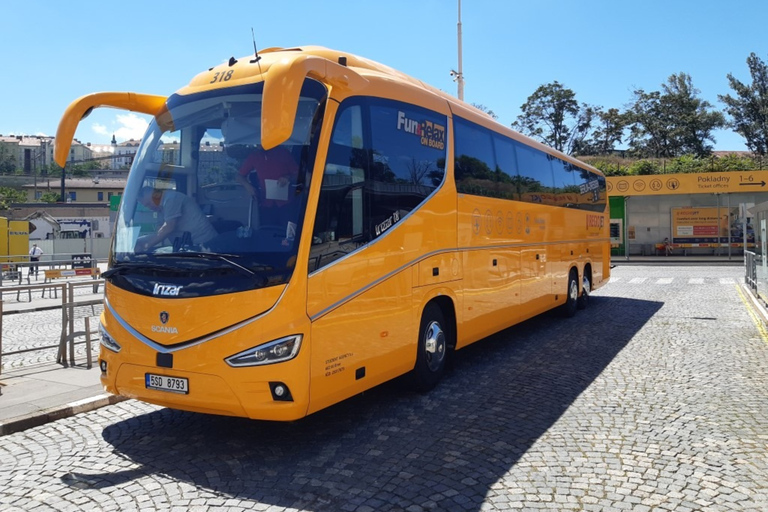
{"x":304,"y":224}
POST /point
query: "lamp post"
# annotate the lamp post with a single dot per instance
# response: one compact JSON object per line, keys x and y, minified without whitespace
{"x":458,"y":76}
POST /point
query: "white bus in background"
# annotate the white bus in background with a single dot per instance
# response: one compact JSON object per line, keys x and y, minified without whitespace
{"x":70,"y":228}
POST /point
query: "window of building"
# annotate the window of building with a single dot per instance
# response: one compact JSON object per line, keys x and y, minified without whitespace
{"x":100,"y":196}
{"x":72,"y":195}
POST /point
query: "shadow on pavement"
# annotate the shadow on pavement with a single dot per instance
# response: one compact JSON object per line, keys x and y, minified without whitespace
{"x":388,"y":448}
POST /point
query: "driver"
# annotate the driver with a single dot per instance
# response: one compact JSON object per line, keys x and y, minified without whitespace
{"x":180,"y":214}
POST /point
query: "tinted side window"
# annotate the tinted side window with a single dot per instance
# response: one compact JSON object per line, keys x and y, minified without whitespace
{"x":475,"y":168}
{"x":408,"y":161}
{"x":536,"y":181}
{"x":384,"y":160}
{"x":591,"y":190}
{"x":565,"y":189}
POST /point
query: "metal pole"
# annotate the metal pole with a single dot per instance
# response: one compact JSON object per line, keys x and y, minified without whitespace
{"x":460,"y":77}
{"x":728,"y":226}
{"x":626,"y":227}
{"x":63,"y":174}
{"x":718,"y":224}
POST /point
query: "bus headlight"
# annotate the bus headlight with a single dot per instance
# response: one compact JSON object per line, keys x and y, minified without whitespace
{"x":107,"y":340}
{"x":276,"y":351}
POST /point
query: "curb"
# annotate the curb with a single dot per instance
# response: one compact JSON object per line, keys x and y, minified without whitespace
{"x":44,"y":416}
{"x":757,"y":304}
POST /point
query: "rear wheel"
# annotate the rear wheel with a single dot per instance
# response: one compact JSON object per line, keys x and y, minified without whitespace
{"x":432,"y":349}
{"x":586,"y":289}
{"x":569,"y":308}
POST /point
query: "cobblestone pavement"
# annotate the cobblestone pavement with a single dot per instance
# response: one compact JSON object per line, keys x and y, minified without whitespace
{"x":654,"y":398}
{"x":38,"y":329}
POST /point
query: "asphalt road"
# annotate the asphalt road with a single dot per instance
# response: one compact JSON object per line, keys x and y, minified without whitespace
{"x":654,"y":398}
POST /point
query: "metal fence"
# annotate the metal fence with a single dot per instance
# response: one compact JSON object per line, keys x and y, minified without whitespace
{"x":69,"y":302}
{"x":750,"y":267}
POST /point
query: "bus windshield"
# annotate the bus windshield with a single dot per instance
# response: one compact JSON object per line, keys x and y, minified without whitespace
{"x":203,"y":196}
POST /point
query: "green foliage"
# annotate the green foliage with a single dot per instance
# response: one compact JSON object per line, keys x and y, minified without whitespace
{"x":608,"y":133}
{"x":485,"y":109}
{"x":7,"y":160}
{"x":50,"y":197}
{"x":749,"y":108}
{"x":644,"y":168}
{"x":552,"y":115}
{"x":731,"y":162}
{"x":672,"y":122}
{"x":11,"y":195}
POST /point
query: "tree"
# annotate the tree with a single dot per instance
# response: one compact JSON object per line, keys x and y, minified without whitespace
{"x":7,"y":160}
{"x":695,"y":118}
{"x":607,"y":133}
{"x":749,"y":109}
{"x":485,"y":109}
{"x":11,"y":195}
{"x":672,"y":122}
{"x":552,"y":115}
{"x":50,"y":197}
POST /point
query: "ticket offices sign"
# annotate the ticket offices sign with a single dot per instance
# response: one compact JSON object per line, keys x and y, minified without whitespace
{"x":694,"y":183}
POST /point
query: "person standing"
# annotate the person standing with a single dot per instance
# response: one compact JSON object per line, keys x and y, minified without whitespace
{"x":34,"y":256}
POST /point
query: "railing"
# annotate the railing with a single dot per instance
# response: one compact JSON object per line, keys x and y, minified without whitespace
{"x":17,"y":272}
{"x":750,"y":266}
{"x":69,"y":301}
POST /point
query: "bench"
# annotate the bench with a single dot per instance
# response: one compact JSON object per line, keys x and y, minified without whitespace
{"x":52,"y":274}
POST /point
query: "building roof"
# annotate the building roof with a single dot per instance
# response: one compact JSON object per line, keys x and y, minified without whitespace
{"x":100,"y":183}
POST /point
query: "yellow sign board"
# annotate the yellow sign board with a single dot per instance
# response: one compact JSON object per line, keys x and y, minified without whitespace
{"x":691,"y":183}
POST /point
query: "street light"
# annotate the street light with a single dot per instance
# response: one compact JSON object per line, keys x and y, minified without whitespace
{"x":458,"y":76}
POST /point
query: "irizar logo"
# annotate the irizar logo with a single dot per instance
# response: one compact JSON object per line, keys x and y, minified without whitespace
{"x":166,"y":290}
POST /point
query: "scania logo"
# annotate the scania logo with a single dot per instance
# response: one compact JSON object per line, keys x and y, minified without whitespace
{"x":166,"y":290}
{"x":165,"y":329}
{"x":163,"y":317}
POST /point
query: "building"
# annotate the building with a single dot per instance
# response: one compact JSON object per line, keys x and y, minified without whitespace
{"x":696,"y":213}
{"x":29,"y":153}
{"x":78,"y":190}
{"x":124,"y":153}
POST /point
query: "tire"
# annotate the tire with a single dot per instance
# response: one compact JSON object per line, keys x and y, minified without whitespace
{"x":586,"y":289}
{"x":432,"y":350}
{"x":568,"y":309}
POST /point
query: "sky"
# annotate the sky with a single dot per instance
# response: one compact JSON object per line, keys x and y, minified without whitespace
{"x":54,"y":52}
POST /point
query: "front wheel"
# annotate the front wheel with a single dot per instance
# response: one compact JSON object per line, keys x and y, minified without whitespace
{"x":432,"y":349}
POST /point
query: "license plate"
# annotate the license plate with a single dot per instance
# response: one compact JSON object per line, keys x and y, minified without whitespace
{"x":166,"y":383}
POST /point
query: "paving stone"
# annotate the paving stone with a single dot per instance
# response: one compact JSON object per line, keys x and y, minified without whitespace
{"x":651,"y":399}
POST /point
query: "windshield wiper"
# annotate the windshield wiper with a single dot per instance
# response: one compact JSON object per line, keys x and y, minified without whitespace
{"x":226,"y":258}
{"x":122,"y":268}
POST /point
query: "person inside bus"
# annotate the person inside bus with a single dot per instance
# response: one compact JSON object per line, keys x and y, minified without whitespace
{"x":268,"y":176}
{"x":179,"y":215}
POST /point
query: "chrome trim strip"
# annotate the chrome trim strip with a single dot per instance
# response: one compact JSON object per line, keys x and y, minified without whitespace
{"x":191,"y":343}
{"x":367,"y":287}
{"x":374,"y":283}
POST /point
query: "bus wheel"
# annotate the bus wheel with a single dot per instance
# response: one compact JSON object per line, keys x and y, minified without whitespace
{"x":569,"y":308}
{"x":433,"y":345}
{"x":586,"y":288}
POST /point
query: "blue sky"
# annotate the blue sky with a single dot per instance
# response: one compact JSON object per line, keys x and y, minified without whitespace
{"x":53,"y":52}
